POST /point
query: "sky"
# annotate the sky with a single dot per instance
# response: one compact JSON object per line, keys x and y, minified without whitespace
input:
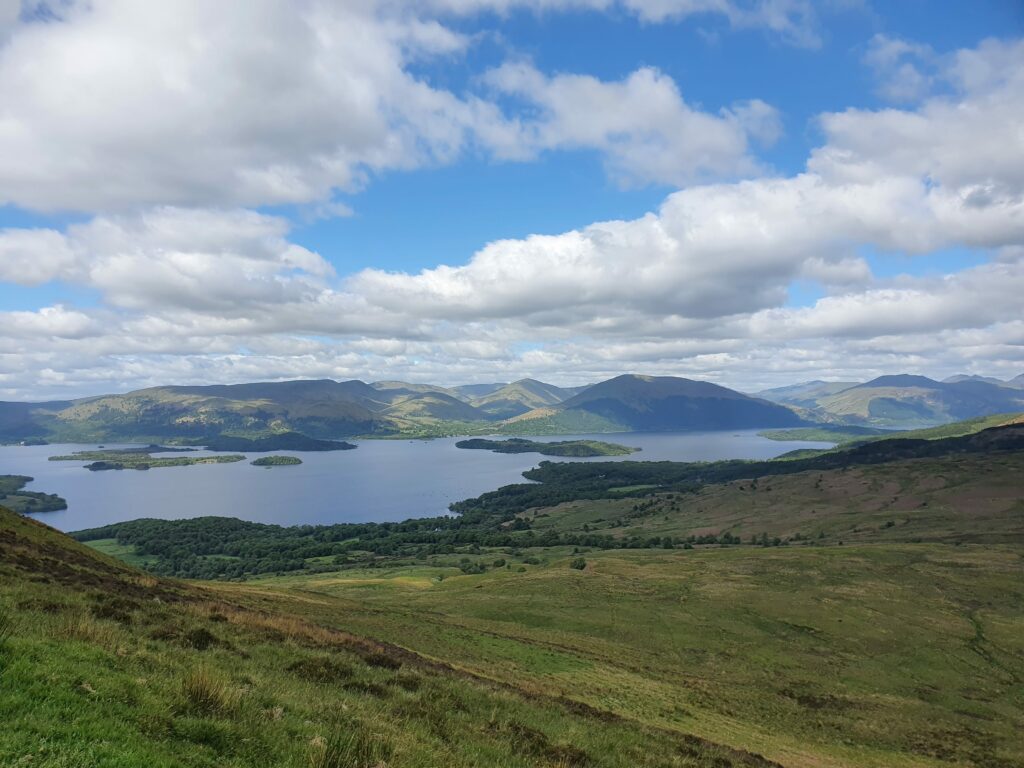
{"x":751,"y":192}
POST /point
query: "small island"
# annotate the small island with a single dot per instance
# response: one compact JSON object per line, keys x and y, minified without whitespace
{"x":574,"y":448}
{"x":283,"y":441}
{"x":140,"y":458}
{"x":17,"y":500}
{"x":276,"y":461}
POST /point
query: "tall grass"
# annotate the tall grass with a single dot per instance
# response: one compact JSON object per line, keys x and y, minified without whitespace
{"x":350,"y":745}
{"x":208,"y":693}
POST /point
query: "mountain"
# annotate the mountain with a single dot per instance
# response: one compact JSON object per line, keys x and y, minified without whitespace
{"x":520,"y":397}
{"x":19,"y":421}
{"x":391,"y":391}
{"x":1017,"y":381}
{"x":660,"y":403}
{"x":319,"y":408}
{"x":433,"y":406}
{"x":805,"y":394}
{"x":469,"y":392}
{"x":917,"y":401}
{"x":972,"y":377}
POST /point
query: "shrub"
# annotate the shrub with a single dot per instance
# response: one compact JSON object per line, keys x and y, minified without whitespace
{"x":578,"y":563}
{"x":382,"y":660}
{"x":320,"y":669}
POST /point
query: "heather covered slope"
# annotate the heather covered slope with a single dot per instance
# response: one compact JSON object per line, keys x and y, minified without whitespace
{"x":102,"y":665}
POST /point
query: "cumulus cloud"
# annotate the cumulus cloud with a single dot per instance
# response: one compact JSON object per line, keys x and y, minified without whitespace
{"x":642,"y":125}
{"x":115,"y":104}
{"x":698,"y":287}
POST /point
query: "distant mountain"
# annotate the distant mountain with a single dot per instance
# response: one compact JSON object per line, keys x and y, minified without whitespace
{"x":319,"y":408}
{"x":520,"y":397}
{"x":659,"y":403}
{"x":19,"y":421}
{"x":917,"y":401}
{"x":1017,"y":381}
{"x":805,"y":394}
{"x":436,"y":406}
{"x":391,"y":391}
{"x":970,"y":377}
{"x":469,"y":392}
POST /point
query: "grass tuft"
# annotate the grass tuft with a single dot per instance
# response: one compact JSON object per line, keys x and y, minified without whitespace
{"x":209,"y":693}
{"x":350,"y":745}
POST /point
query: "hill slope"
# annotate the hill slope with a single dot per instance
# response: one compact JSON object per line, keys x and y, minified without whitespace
{"x":103,"y":665}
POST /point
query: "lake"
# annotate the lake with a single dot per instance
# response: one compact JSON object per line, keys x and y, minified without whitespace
{"x":382,"y":480}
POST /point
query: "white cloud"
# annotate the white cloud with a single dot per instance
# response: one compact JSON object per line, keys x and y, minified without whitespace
{"x":118,"y":104}
{"x":901,"y":66}
{"x":793,"y":20}
{"x":193,"y":103}
{"x":641,"y":124}
{"x":698,"y":287}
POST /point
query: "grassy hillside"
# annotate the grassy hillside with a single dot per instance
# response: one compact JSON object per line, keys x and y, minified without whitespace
{"x":102,"y":665}
{"x":869,"y":655}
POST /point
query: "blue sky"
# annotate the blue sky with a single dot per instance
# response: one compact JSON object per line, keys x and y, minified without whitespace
{"x":315,"y":192}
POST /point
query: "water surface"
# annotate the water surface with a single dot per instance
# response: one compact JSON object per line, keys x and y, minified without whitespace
{"x":382,"y":480}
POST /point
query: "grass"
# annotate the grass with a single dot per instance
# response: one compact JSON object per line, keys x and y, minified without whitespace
{"x":106,"y":666}
{"x":874,"y":655}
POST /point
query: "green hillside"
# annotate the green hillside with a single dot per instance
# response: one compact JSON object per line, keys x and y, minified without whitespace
{"x":102,"y":665}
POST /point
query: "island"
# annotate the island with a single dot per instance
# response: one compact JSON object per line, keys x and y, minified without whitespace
{"x":276,"y":461}
{"x":282,"y":441}
{"x":140,"y":458}
{"x":17,"y":500}
{"x":575,"y":448}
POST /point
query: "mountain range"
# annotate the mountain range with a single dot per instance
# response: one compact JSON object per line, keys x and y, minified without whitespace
{"x":326,"y":408}
{"x":903,"y":401}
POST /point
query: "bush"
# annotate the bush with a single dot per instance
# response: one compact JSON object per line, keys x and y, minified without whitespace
{"x":578,"y":563}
